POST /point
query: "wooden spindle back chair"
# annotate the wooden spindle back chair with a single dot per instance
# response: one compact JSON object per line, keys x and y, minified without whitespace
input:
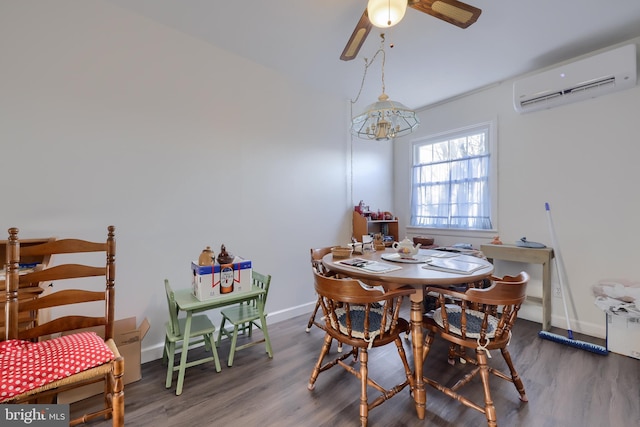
{"x":479,"y":319}
{"x":364,"y":318}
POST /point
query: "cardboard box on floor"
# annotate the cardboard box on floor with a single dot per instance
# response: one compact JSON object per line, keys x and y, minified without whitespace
{"x":128,"y":339}
{"x":623,"y":335}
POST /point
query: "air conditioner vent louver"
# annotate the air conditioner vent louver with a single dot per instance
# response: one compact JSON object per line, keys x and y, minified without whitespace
{"x":540,"y":99}
{"x":600,"y":84}
{"x":586,"y":78}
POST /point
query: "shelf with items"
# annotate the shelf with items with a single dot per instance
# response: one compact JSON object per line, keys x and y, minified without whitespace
{"x":363,"y":225}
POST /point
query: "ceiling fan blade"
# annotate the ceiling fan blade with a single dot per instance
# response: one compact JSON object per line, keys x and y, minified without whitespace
{"x":357,"y":38}
{"x":452,"y":11}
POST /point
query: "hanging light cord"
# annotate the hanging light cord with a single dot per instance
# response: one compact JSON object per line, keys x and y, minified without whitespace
{"x":367,"y":64}
{"x":389,"y":13}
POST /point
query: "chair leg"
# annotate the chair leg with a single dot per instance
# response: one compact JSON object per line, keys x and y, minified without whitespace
{"x":170,"y":349}
{"x":249,"y":326}
{"x":407,"y":368}
{"x":224,"y":320}
{"x":427,"y":345}
{"x":364,"y":371}
{"x":165,"y":357}
{"x":208,"y":338}
{"x":312,"y":318}
{"x":182,"y":368}
{"x":514,"y":374}
{"x":451,"y":358}
{"x":207,"y":342}
{"x":490,"y":409}
{"x":117,"y":394}
{"x":267,"y":340}
{"x":232,"y":350}
{"x":318,"y":366}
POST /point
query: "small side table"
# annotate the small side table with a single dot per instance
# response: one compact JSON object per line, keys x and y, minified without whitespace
{"x":530,"y":256}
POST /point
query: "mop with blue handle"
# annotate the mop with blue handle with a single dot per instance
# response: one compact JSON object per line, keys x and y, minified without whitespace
{"x":570,"y":341}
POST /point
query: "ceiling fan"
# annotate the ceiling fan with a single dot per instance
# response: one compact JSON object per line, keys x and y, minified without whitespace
{"x":452,"y":11}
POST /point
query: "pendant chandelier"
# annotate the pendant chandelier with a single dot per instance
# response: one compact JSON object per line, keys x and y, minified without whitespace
{"x":385,"y":119}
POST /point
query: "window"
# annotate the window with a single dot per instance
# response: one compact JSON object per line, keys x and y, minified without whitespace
{"x":452,"y":180}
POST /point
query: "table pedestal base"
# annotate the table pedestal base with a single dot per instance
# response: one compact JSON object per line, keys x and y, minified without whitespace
{"x":419,"y":394}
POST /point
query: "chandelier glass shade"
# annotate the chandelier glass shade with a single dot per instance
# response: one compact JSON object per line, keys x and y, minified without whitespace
{"x":384,"y":120}
{"x":386,"y":13}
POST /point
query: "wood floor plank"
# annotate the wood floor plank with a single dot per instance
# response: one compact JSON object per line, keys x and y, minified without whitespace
{"x":566,"y":387}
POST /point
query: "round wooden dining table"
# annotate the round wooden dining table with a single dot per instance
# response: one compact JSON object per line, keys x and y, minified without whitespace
{"x":412,"y":273}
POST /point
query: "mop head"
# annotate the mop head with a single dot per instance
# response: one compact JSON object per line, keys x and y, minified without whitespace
{"x":582,"y":345}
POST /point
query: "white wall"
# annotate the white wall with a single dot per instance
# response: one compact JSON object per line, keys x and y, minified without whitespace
{"x":373,"y":174}
{"x":581,"y":158}
{"x":109,"y":118}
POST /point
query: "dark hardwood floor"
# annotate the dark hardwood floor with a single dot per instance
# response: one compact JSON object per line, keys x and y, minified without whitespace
{"x":566,"y":387}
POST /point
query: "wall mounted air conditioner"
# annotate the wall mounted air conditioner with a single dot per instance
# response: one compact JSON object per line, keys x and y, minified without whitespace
{"x":603,"y":73}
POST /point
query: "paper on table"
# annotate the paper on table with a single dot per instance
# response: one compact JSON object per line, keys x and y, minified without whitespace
{"x":438,"y":254}
{"x":452,"y":265}
{"x":377,"y":267}
{"x":354,"y":262}
{"x":372,"y":266}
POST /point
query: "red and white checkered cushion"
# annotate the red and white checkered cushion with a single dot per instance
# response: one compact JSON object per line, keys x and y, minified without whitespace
{"x":26,"y":365}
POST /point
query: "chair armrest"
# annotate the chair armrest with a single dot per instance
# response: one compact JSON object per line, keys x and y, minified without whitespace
{"x":403,"y":291}
{"x":448,"y":292}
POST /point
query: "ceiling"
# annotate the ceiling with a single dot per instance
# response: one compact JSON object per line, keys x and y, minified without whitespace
{"x":430,"y":60}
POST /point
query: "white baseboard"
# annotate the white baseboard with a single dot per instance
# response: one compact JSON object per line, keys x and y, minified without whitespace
{"x":154,"y":351}
{"x":534,"y":314}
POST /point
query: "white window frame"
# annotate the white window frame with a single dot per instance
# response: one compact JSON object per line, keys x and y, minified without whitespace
{"x":491,"y":127}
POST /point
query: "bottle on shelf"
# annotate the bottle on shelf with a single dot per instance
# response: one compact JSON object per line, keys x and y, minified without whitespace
{"x":206,"y":257}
